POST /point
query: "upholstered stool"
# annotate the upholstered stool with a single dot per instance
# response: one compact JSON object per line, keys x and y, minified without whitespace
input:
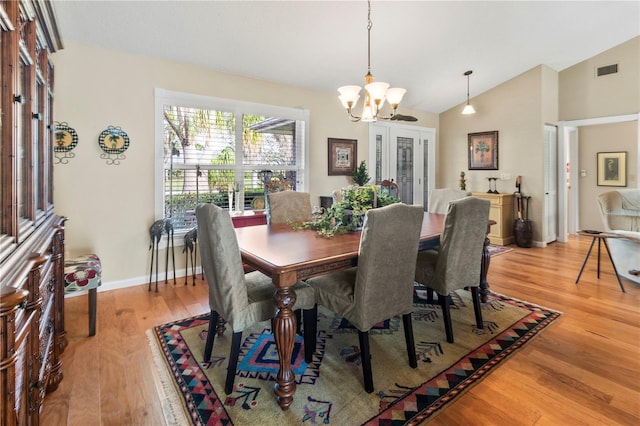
{"x":84,"y":273}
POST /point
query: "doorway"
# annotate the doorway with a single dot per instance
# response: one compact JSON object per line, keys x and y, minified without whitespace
{"x":404,"y":154}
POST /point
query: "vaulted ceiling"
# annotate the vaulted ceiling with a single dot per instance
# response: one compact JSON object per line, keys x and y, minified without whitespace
{"x":423,"y":46}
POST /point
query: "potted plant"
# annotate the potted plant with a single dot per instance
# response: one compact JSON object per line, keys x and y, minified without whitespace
{"x":360,"y":174}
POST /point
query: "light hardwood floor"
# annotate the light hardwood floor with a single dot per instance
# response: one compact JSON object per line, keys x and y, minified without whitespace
{"x":583,"y":370}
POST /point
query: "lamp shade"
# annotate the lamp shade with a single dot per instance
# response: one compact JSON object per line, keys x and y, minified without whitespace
{"x":394,"y":96}
{"x":349,"y":94}
{"x":377,"y":91}
{"x":469,"y":109}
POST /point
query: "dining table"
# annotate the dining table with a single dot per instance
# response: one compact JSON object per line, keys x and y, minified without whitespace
{"x":290,"y":255}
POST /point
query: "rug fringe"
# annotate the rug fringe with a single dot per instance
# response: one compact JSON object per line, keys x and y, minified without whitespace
{"x":526,"y":302}
{"x":170,"y":399}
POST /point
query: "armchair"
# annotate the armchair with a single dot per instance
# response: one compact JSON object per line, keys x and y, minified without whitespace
{"x":620,"y":213}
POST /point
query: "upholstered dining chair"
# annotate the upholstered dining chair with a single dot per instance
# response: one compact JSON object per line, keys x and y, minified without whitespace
{"x":289,"y":207}
{"x":241,"y":299}
{"x":456,"y":263}
{"x":381,"y":286}
{"x":390,"y":187}
{"x":439,"y":199}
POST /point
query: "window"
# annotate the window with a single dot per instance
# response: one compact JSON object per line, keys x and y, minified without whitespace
{"x":213,"y":150}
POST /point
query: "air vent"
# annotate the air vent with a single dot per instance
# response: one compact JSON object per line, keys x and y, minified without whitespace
{"x":606,"y":70}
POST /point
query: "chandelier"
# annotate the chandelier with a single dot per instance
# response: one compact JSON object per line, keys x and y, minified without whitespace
{"x":375,"y":93}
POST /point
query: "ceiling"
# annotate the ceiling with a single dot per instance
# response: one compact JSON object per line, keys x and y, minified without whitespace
{"x":423,"y":46}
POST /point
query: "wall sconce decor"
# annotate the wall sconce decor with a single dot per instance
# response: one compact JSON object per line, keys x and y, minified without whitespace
{"x":66,"y":140}
{"x":113,"y":141}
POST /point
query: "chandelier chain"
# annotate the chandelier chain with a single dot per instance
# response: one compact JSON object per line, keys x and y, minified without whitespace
{"x":369,"y":25}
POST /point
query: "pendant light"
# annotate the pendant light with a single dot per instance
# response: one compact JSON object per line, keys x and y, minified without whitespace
{"x":468,"y":109}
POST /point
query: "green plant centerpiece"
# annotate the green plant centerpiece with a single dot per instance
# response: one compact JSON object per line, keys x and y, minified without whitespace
{"x":347,"y":213}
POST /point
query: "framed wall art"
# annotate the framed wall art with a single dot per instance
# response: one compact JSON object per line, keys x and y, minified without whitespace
{"x":612,"y":169}
{"x":342,"y":156}
{"x":483,"y":150}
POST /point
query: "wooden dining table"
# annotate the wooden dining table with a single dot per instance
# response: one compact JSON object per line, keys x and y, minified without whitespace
{"x":289,"y":256}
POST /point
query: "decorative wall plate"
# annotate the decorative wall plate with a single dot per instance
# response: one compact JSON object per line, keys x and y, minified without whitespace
{"x":66,"y":138}
{"x":114,"y":140}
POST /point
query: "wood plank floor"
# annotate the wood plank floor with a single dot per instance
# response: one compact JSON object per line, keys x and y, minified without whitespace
{"x":584,"y":369}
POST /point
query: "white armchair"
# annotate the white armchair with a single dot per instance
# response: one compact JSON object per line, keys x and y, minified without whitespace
{"x":620,"y":212}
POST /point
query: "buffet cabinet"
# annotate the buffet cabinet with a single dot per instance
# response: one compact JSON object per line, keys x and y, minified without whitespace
{"x":501,"y":210}
{"x":32,"y":335}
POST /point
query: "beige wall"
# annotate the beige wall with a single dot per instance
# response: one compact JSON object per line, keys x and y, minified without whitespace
{"x":616,"y":137}
{"x":111,"y":207}
{"x":583,"y":95}
{"x":518,"y":110}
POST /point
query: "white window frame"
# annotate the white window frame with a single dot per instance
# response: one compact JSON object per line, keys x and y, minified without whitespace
{"x":167,"y":97}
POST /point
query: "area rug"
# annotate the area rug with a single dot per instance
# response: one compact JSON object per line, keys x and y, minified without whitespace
{"x":495,"y":250}
{"x":329,"y":389}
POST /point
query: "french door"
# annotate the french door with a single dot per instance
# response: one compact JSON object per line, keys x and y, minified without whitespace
{"x":406,"y":155}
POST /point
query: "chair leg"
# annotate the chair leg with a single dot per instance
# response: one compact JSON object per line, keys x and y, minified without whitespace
{"x":211,"y":334}
{"x":310,"y":329}
{"x":93,"y":302}
{"x":408,"y":337}
{"x":477,"y":307}
{"x":365,"y":356}
{"x":233,"y":362}
{"x":446,"y":316}
{"x":298,"y":315}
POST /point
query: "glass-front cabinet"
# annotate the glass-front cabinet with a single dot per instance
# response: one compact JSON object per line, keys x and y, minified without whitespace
{"x":31,"y":234}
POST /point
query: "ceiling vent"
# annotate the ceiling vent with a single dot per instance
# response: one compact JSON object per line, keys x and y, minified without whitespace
{"x":606,"y":70}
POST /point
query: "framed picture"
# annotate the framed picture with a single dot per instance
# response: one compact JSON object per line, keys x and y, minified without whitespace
{"x":612,"y":169}
{"x":342,"y":156}
{"x":483,"y":150}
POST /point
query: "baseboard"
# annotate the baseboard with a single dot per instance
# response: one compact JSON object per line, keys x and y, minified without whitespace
{"x":132,"y":282}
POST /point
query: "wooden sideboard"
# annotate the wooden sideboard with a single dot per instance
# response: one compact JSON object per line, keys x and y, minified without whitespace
{"x":501,"y":211}
{"x":248,"y":218}
{"x":32,"y":335}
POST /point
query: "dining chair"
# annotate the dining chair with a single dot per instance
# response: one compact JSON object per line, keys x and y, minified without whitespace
{"x":381,"y":286}
{"x":289,"y":207}
{"x":390,"y":187}
{"x":241,"y":299}
{"x":456,"y":264}
{"x":439,"y":199}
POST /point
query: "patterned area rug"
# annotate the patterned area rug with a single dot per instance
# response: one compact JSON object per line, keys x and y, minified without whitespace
{"x":330,"y":390}
{"x":495,"y":250}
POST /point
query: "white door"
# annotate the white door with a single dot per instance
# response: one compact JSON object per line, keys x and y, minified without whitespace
{"x":406,"y":155}
{"x":550,"y":219}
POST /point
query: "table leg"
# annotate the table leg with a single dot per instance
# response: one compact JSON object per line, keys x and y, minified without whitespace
{"x":599,"y":242}
{"x":585,"y":259}
{"x":606,"y":246}
{"x":484,"y":269}
{"x":284,"y":334}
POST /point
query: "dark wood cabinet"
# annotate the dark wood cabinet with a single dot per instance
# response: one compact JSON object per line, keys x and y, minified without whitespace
{"x":32,"y":333}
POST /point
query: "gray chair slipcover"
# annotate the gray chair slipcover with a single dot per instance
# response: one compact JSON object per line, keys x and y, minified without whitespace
{"x":439,"y":199}
{"x":456,"y":264}
{"x":381,"y":286}
{"x":241,"y":299}
{"x":289,"y":207}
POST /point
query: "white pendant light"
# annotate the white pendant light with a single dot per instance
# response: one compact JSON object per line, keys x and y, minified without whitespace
{"x":468,"y":109}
